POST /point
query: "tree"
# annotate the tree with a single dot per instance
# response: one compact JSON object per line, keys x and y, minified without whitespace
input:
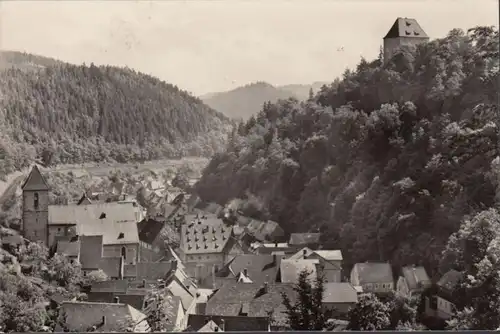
{"x":160,"y":311}
{"x":369,"y":314}
{"x":307,"y":311}
{"x":96,"y":276}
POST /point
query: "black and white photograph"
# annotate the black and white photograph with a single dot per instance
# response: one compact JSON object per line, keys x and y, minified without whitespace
{"x":249,"y":166}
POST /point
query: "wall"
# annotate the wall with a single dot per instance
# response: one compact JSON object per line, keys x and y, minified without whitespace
{"x":378,"y":287}
{"x":132,"y":252}
{"x":200,"y":266}
{"x":444,"y":308}
{"x":35,"y":220}
{"x":354,"y":276}
{"x":402,"y":287}
{"x":391,"y":45}
{"x":332,"y":270}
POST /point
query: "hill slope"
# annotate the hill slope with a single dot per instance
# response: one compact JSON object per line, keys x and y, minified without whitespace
{"x":64,"y":113}
{"x":245,"y":101}
{"x":387,"y":163}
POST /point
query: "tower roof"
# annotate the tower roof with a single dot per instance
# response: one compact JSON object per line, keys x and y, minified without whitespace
{"x":405,"y":27}
{"x":35,"y":181}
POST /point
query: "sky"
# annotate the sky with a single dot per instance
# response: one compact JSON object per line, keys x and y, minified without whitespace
{"x":217,"y":45}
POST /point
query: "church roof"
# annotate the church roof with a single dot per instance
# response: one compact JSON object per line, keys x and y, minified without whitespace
{"x":35,"y":181}
{"x":405,"y":27}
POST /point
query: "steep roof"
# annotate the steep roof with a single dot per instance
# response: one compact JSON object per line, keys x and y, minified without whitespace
{"x":84,"y":200}
{"x":414,"y":276}
{"x":263,"y":231}
{"x":204,"y":236}
{"x":260,"y":268}
{"x":300,"y":239}
{"x":291,"y":269}
{"x":114,"y":221}
{"x":80,"y":316}
{"x":339,"y":293}
{"x":198,"y":322}
{"x":256,"y":299}
{"x":134,"y":300}
{"x":374,"y":272}
{"x":330,"y":255}
{"x":35,"y":181}
{"x":149,"y":229}
{"x":148,"y":270}
{"x":405,"y":27}
{"x":450,"y":280}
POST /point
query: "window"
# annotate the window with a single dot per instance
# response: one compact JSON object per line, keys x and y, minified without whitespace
{"x":124,"y":253}
{"x":35,"y":201}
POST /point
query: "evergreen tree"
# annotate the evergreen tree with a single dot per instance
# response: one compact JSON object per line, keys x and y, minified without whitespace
{"x":307,"y":312}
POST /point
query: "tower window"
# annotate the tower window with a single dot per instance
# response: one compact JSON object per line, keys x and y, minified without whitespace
{"x":35,"y":201}
{"x":124,"y":253}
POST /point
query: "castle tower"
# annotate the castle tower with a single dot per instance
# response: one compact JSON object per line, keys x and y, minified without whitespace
{"x":35,"y":207}
{"x":404,"y":32}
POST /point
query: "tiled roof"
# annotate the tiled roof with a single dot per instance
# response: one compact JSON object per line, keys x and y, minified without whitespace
{"x":68,"y":248}
{"x":204,"y":236}
{"x":301,"y":254}
{"x":149,"y":229}
{"x":260,"y":268}
{"x":230,"y":298}
{"x":405,"y":27}
{"x":114,"y":221}
{"x":90,"y":251}
{"x":263,"y":231}
{"x":450,"y":280}
{"x":196,"y":322}
{"x":81,"y":316}
{"x":414,"y":276}
{"x":330,"y":255}
{"x":116,"y":286}
{"x":179,"y":290}
{"x":339,"y":293}
{"x":374,"y":272}
{"x":299,"y":239}
{"x":148,"y":270}
{"x":135,"y":300}
{"x":35,"y":181}
{"x":291,"y":269}
{"x":111,"y":266}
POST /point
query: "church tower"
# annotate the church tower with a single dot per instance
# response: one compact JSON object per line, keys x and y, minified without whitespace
{"x":404,"y":32}
{"x":35,"y":207}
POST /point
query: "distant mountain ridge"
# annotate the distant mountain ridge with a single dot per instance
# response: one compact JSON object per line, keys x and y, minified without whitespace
{"x":245,"y":101}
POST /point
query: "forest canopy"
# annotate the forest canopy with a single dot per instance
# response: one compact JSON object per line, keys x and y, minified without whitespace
{"x":386,"y":162}
{"x":63,"y":113}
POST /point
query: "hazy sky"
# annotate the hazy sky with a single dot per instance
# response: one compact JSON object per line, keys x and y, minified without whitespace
{"x":206,"y":46}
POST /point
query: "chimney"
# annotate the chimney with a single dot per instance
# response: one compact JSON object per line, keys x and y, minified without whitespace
{"x":223,"y":325}
{"x":304,"y":252}
{"x":174,"y":264}
{"x":143,"y":283}
{"x":116,"y":300}
{"x":245,"y":272}
{"x":104,"y":320}
{"x":266,"y":287}
{"x":276,"y":244}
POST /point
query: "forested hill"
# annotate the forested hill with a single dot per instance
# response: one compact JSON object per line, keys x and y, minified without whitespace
{"x":65,"y":113}
{"x":387,"y":163}
{"x":246,"y":101}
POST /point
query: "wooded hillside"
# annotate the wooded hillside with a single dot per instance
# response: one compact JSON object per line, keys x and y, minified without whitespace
{"x":387,"y":163}
{"x":64,"y":113}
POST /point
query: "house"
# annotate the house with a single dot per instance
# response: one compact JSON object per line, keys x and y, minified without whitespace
{"x":373,"y":277}
{"x":290,"y":269}
{"x":404,"y":32}
{"x":413,"y":281}
{"x":330,"y":262}
{"x":300,"y":240}
{"x":248,"y":268}
{"x":214,"y":323}
{"x":115,"y":222}
{"x":92,"y":258}
{"x":252,"y":300}
{"x":440,"y":302}
{"x":260,"y":230}
{"x":206,"y":245}
{"x":70,"y":249}
{"x":338,"y":298}
{"x":149,"y":230}
{"x":148,"y":270}
{"x":100,"y":317}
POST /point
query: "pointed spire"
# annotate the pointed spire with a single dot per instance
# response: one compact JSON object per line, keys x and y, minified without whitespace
{"x":35,"y":181}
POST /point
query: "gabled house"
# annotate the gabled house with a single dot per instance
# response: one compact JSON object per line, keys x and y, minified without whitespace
{"x":373,"y":277}
{"x":413,"y":281}
{"x":290,"y":269}
{"x":100,"y":317}
{"x":440,"y":303}
{"x":338,"y":298}
{"x":330,"y":262}
{"x":92,"y":258}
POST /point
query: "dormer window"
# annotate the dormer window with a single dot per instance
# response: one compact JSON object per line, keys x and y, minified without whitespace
{"x":407,"y":33}
{"x":102,"y":216}
{"x":121,"y":235}
{"x":35,"y":200}
{"x":416,"y":33}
